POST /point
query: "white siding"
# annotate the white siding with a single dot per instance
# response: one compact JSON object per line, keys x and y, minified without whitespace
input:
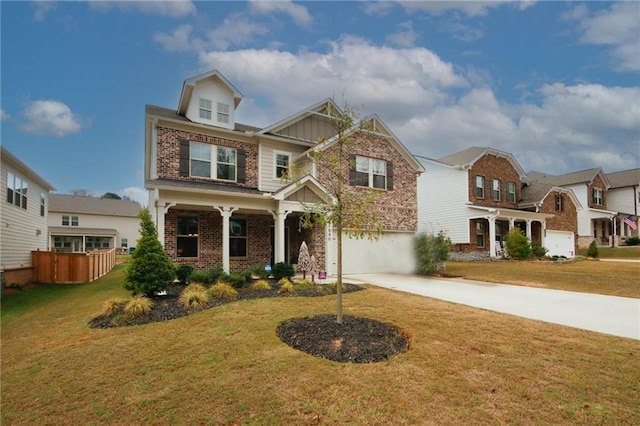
{"x":390,"y":253}
{"x":21,"y":230}
{"x":268,"y":181}
{"x":127,"y":227}
{"x":621,"y":200}
{"x":442,"y":201}
{"x":214,"y":92}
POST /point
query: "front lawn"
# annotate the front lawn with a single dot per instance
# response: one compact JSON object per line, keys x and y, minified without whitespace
{"x":630,"y":252}
{"x":226,"y":365}
{"x":588,"y":276}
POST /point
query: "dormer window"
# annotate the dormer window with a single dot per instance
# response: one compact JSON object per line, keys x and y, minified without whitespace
{"x":223,"y":112}
{"x":205,"y":109}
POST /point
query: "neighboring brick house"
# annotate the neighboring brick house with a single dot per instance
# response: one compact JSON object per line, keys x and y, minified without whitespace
{"x":218,"y":197}
{"x":23,"y":209}
{"x":474,"y":197}
{"x":78,"y":224}
{"x":624,"y":197}
{"x":591,"y":186}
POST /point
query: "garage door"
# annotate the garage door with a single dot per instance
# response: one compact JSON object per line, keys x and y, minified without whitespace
{"x":391,"y":253}
{"x":560,"y":243}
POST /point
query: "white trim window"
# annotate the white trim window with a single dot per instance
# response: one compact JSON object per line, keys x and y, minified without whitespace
{"x":16,"y":191}
{"x":495,"y":191}
{"x":559,"y":203}
{"x":478,"y":189}
{"x":43,"y":208}
{"x":210,"y":160}
{"x":371,"y":172}
{"x":511,"y":192}
{"x":281,"y":161}
{"x":597,"y":197}
{"x":70,"y":220}
{"x":205,"y":108}
{"x":223,"y":112}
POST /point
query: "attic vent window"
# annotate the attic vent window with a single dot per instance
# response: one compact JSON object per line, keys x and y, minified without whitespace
{"x":205,"y":109}
{"x":223,"y":112}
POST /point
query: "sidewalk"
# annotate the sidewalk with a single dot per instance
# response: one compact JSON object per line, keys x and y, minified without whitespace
{"x":618,"y":316}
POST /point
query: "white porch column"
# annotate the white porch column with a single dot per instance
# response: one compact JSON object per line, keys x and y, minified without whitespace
{"x":613,"y":231}
{"x":279,"y":235}
{"x":512,"y":222}
{"x":529,"y":230}
{"x":161,"y":212}
{"x":492,"y":236}
{"x":543,"y":230}
{"x":226,"y":213}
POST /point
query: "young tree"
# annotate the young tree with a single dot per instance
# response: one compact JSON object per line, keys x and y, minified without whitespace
{"x":352,"y":211}
{"x":517,"y":244}
{"x":150,"y":270}
{"x":304,"y":262}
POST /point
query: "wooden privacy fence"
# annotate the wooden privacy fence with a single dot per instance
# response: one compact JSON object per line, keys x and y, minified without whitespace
{"x":71,"y":268}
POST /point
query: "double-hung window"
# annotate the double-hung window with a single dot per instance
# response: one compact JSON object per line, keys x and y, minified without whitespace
{"x":281,"y":160}
{"x":205,"y":109}
{"x":371,"y":172}
{"x":69,"y":220}
{"x":238,"y":237}
{"x":478,"y":189}
{"x":223,"y":112}
{"x":187,"y":233}
{"x":43,"y":199}
{"x":495,"y":190}
{"x":511,"y":192}
{"x":597,"y":196}
{"x":559,"y":201}
{"x":479,"y":234}
{"x":16,"y":191}
{"x":213,"y":161}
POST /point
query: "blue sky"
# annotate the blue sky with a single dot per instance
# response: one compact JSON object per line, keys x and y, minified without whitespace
{"x":557,"y":84}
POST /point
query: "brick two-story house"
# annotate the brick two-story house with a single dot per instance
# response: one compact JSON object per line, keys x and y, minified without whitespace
{"x":218,"y":197}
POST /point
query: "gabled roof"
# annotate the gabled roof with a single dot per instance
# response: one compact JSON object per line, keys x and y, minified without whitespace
{"x":15,"y":162}
{"x":624,"y":178}
{"x":319,"y":108}
{"x":307,"y":181}
{"x":64,"y":203}
{"x":172,"y":115}
{"x":190,"y":83}
{"x":573,"y":178}
{"x":534,"y":193}
{"x":469,"y":156}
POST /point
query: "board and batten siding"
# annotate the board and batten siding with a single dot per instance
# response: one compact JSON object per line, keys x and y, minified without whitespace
{"x":268,"y":149}
{"x":23,"y":230}
{"x":442,"y":201}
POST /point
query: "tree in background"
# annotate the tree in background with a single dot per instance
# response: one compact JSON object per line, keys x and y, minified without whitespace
{"x":111,"y":196}
{"x":150,"y":269}
{"x":352,"y":211}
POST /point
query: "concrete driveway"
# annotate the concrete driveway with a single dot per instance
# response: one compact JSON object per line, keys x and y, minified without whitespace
{"x":618,"y":316}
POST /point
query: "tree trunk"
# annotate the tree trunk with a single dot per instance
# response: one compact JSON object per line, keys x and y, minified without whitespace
{"x":339,"y":282}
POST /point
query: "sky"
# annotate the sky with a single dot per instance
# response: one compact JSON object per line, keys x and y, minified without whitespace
{"x":556,"y":84}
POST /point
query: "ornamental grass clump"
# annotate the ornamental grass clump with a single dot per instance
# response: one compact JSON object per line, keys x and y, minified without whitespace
{"x":223,"y":291}
{"x":261,"y":285}
{"x":112,"y":306}
{"x":139,"y":305}
{"x":194,"y":296}
{"x":286,"y":286}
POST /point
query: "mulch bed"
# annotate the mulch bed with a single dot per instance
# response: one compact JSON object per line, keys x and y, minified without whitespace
{"x":356,"y":340}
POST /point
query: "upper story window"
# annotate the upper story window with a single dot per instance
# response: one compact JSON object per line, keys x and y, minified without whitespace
{"x":597,"y":196}
{"x":213,"y":161}
{"x":223,"y":112}
{"x":559,"y":202}
{"x":511,"y":192}
{"x":43,"y":199}
{"x":478,"y":189}
{"x":69,"y":220}
{"x":205,"y":109}
{"x":16,"y":190}
{"x":370,"y":172}
{"x":495,"y":189}
{"x":282,"y":161}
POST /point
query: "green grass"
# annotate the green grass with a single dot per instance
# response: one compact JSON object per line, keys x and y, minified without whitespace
{"x":632,"y":252}
{"x":226,"y":365}
{"x":587,"y":276}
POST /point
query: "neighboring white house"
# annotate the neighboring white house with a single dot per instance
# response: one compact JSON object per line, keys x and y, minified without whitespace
{"x":23,"y":213}
{"x":80,"y":223}
{"x":624,"y":197}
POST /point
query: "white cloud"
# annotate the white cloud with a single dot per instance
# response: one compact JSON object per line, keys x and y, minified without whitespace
{"x":236,"y":29}
{"x":377,"y":8}
{"x":469,"y":8}
{"x":136,"y":194}
{"x":298,"y":13}
{"x":405,"y":37}
{"x":42,"y":8}
{"x":179,"y":40}
{"x":171,"y":8}
{"x":617,"y":27}
{"x":49,"y":118}
{"x":4,"y":115}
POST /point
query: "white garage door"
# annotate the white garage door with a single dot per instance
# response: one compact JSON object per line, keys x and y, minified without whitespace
{"x":560,"y":243}
{"x":391,"y":253}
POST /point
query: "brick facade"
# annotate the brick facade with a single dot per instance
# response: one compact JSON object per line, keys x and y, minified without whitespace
{"x":492,"y":167}
{"x":598,"y":183}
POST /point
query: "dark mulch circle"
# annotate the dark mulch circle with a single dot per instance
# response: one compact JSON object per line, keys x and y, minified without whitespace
{"x":357,"y":340}
{"x":168,"y":307}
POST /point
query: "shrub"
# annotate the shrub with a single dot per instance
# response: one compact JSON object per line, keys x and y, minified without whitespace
{"x":592,"y":251}
{"x":215,"y":273}
{"x":183,"y":272}
{"x":200,"y":277}
{"x":150,"y":269}
{"x":282,"y":270}
{"x":236,"y":279}
{"x":112,"y":306}
{"x":194,"y":296}
{"x":138,"y":306}
{"x":538,"y":251}
{"x":261,"y":285}
{"x":286,"y":286}
{"x":257,"y":269}
{"x":517,"y":244}
{"x":632,"y":241}
{"x":431,"y":252}
{"x":223,"y":291}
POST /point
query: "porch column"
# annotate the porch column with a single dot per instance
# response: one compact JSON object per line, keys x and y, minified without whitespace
{"x":613,"y":231}
{"x":278,"y":240}
{"x":492,"y":236}
{"x":159,"y":220}
{"x":512,"y":222}
{"x":529,"y":235}
{"x":226,"y":213}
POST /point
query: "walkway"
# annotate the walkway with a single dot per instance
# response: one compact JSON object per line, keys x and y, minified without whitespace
{"x":618,"y":316}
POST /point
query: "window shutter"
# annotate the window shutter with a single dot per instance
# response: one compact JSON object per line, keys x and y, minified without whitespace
{"x":353,"y":175}
{"x":242,"y":166}
{"x":184,"y":157}
{"x":389,"y":176}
